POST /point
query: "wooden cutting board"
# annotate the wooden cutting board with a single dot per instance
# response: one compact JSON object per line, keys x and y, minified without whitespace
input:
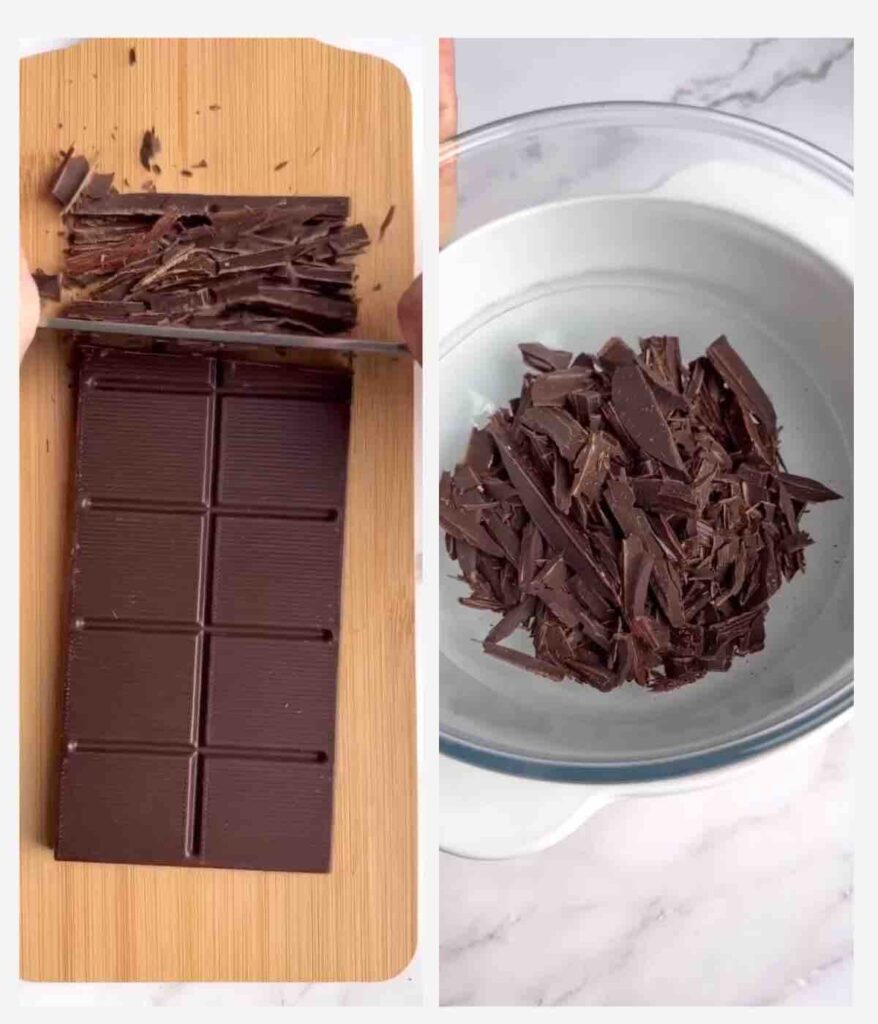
{"x":340,"y":124}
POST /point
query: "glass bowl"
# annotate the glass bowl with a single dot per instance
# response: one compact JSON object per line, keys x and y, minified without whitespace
{"x":632,"y":219}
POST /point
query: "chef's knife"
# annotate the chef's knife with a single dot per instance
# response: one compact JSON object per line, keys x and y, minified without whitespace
{"x":335,"y":344}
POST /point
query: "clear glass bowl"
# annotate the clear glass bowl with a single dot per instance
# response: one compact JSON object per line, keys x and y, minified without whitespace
{"x":579,"y":223}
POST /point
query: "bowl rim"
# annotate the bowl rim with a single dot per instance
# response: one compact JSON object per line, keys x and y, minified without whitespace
{"x":661,"y":114}
{"x":675,"y":117}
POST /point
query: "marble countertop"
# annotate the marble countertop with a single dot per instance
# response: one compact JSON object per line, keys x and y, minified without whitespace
{"x":735,"y":895}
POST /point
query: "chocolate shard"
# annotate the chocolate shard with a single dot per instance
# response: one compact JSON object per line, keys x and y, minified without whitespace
{"x":466,"y":526}
{"x":637,"y":566}
{"x":802,"y":488}
{"x":480,"y":450}
{"x":517,"y":616}
{"x":641,"y":417}
{"x":48,"y":285}
{"x":666,"y":496}
{"x":557,"y":529}
{"x":736,"y":374}
{"x":526,"y":661}
{"x":544,"y":359}
{"x":560,"y":426}
{"x":615,"y":353}
{"x":70,"y":177}
{"x":593,"y":465}
{"x":553,"y":387}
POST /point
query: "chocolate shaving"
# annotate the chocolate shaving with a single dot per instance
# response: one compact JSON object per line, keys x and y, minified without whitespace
{"x":385,"y":224}
{"x":262,"y":263}
{"x":632,"y":513}
{"x":525,"y":661}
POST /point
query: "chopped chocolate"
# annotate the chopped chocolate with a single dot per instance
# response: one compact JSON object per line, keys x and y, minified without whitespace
{"x":149,"y":147}
{"x":632,"y":513}
{"x":262,"y":263}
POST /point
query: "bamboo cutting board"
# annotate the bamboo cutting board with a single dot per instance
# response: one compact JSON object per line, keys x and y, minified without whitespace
{"x":340,"y":122}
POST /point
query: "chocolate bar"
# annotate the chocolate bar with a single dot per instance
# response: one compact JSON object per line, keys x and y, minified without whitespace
{"x":204,"y":612}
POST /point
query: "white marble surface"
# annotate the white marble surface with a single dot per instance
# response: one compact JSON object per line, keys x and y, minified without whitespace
{"x":732,"y":895}
{"x":804,"y":86}
{"x":404,"y":990}
{"x":735,"y":895}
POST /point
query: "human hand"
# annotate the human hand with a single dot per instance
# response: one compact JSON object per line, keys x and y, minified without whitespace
{"x":447,"y":130}
{"x":28,"y":308}
{"x":410,"y":308}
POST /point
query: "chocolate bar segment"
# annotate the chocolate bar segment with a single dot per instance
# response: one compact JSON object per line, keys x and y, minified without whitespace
{"x":205,"y":610}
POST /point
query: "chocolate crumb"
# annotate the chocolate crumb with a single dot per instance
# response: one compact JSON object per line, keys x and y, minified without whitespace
{"x":149,"y":148}
{"x":132,"y":57}
{"x":281,"y":165}
{"x":201,"y":163}
{"x":156,"y":169}
{"x":214,"y":106}
{"x":186,"y":172}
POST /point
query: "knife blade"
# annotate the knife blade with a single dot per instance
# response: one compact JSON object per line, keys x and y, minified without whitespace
{"x":336,"y":344}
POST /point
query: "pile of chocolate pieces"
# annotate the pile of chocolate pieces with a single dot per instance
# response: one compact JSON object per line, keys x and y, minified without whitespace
{"x":261,"y":263}
{"x":630,"y":512}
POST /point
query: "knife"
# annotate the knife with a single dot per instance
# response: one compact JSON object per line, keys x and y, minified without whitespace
{"x":337,"y":344}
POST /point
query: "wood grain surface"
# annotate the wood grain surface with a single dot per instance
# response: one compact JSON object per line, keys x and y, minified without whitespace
{"x":340,"y":123}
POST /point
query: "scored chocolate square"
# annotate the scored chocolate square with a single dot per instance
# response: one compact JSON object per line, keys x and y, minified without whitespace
{"x":205,"y":582}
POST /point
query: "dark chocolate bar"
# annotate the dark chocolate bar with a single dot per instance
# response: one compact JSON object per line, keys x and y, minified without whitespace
{"x":204,"y":612}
